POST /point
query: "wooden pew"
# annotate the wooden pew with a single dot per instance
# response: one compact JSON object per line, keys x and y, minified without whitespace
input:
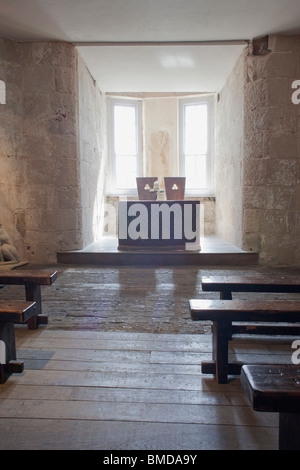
{"x":223,"y":312}
{"x":32,"y":279}
{"x":16,"y":311}
{"x":276,"y":388}
{"x":226,"y":285}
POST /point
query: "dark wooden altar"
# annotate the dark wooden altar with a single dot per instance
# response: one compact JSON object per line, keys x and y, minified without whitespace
{"x":159,"y":225}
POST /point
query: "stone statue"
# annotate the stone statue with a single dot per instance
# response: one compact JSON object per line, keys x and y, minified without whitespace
{"x":7,"y":251}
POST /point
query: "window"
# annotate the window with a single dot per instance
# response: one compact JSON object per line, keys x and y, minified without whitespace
{"x":194,"y":153}
{"x":125,"y":144}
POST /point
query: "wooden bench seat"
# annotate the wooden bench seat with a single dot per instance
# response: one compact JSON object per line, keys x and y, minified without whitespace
{"x":17,"y":311}
{"x":276,"y":388}
{"x":250,"y":283}
{"x":223,"y":312}
{"x":32,"y":279}
{"x":226,"y":285}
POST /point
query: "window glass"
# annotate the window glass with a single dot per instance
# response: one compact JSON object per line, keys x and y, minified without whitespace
{"x":125,"y":144}
{"x":195,"y":145}
{"x":125,"y":130}
{"x":195,"y":129}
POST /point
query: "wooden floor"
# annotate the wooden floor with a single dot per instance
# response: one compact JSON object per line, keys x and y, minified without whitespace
{"x":113,"y":371}
{"x":86,"y":390}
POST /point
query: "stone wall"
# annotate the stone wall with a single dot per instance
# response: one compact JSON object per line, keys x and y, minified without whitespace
{"x":12,"y":165}
{"x":43,"y":159}
{"x":49,"y":150}
{"x":271,"y":172}
{"x":92,"y":149}
{"x":228,"y":155}
{"x":257,"y":150}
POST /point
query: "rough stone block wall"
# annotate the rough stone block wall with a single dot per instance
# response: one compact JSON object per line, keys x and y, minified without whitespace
{"x":50,"y":152}
{"x":271,"y":168}
{"x":40,"y":172}
{"x":92,"y":149}
{"x":12,"y":164}
{"x":228,"y":155}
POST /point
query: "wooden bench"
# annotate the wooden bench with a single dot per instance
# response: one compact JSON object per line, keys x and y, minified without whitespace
{"x":223,"y":312}
{"x":276,"y":388}
{"x":32,"y":279}
{"x":226,"y":285}
{"x":16,"y":311}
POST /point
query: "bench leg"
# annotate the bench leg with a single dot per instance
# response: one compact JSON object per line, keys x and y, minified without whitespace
{"x":289,"y":431}
{"x":33,"y":293}
{"x":8,"y":365}
{"x":221,"y":332}
{"x":219,"y":366}
{"x":227,"y":295}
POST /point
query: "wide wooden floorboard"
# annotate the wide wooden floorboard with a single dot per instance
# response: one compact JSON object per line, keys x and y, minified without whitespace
{"x":131,"y":391}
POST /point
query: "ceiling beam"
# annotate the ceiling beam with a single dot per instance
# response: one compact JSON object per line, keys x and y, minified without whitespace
{"x":226,"y":42}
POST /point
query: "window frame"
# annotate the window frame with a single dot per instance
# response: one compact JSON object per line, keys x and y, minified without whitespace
{"x":208,"y":100}
{"x":137,"y":104}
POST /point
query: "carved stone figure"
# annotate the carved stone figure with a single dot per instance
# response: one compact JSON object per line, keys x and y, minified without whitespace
{"x":7,"y":251}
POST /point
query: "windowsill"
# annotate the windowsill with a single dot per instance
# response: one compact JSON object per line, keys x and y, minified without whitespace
{"x":202,"y":197}
{"x":134,"y":196}
{"x":122,"y":194}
